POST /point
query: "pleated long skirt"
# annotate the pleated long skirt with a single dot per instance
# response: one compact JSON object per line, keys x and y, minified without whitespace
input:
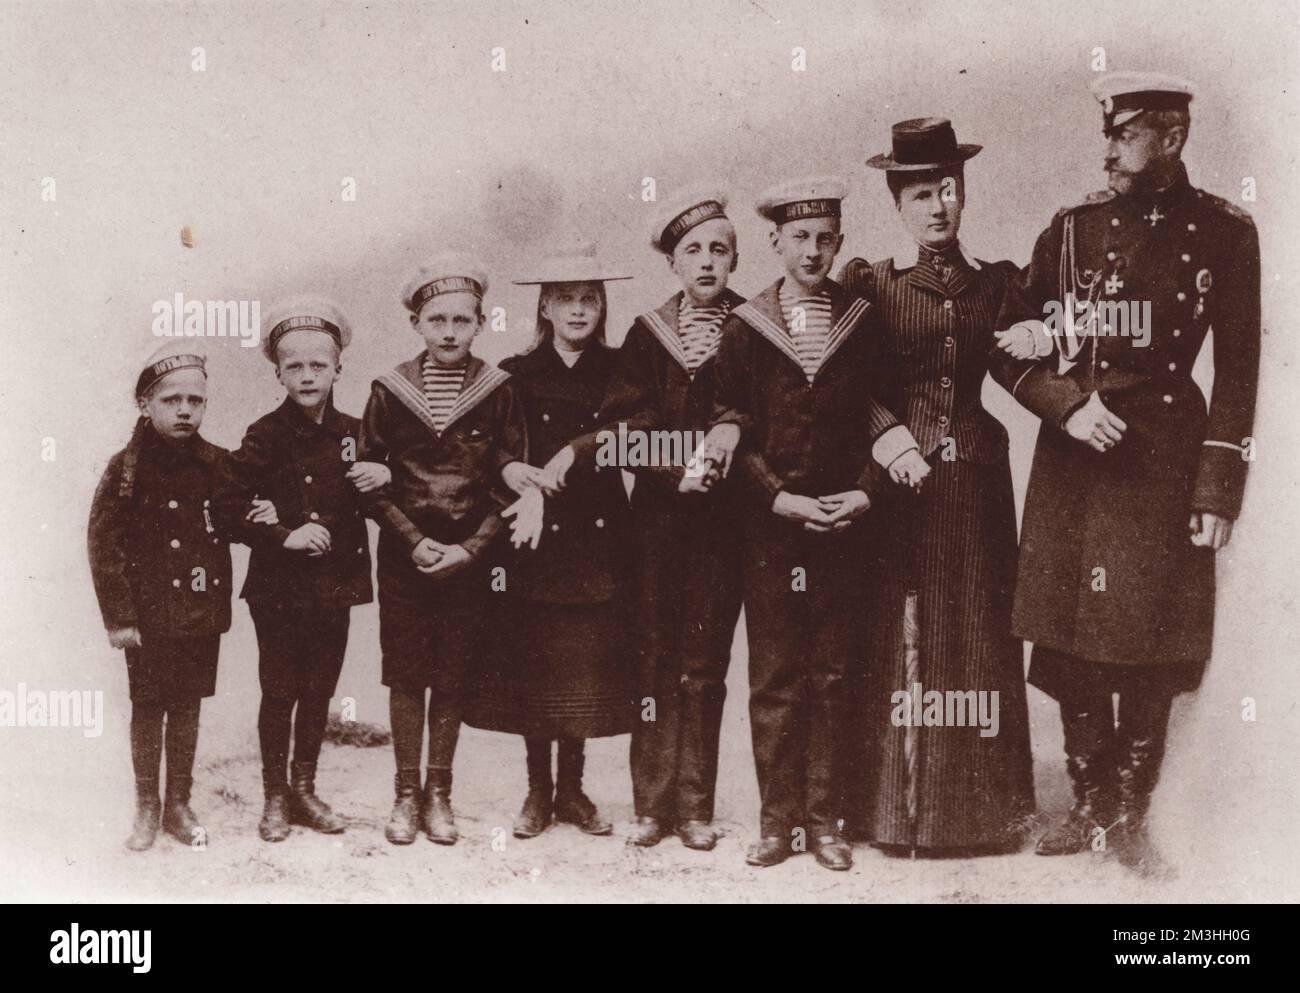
{"x":962,"y":775}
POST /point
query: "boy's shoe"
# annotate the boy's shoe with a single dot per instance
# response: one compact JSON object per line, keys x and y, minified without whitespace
{"x":435,"y":811}
{"x":577,"y":809}
{"x":274,"y":825}
{"x":404,"y":822}
{"x":305,"y":807}
{"x":833,"y":852}
{"x":535,"y":816}
{"x":178,"y":820}
{"x":148,"y":814}
{"x":768,"y":852}
{"x":647,"y":832}
{"x":698,"y":835}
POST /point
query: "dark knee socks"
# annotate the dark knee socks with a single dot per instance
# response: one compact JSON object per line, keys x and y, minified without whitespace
{"x":146,"y":742}
{"x":539,"y":765}
{"x":570,"y":763}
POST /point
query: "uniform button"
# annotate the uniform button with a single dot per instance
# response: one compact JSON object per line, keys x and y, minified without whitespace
{"x":1110,"y":256}
{"x":1186,"y":257}
{"x":314,"y":516}
{"x":1176,"y":332}
{"x":1104,"y":364}
{"x":945,"y":382}
{"x":176,"y":584}
{"x":555,"y":527}
{"x":1173,"y":366}
{"x":546,"y":417}
{"x":948,"y":341}
{"x":1167,"y":398}
{"x":1182,"y":297}
{"x":176,"y":543}
{"x":943,"y":421}
{"x":600,"y":522}
{"x":306,"y":479}
{"x":947,"y":305}
{"x":216,"y":581}
{"x":361,"y":551}
{"x":1114,"y":222}
{"x":1191,"y":227}
{"x":172,"y":504}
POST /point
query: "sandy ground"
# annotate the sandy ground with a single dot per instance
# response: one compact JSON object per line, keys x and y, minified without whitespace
{"x":67,"y":806}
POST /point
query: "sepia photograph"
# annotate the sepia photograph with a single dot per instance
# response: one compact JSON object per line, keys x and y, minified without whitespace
{"x":582,"y":452}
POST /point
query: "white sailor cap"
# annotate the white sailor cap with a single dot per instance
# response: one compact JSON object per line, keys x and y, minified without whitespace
{"x":798,"y":199}
{"x":1123,"y":95}
{"x":683,"y":212}
{"x":171,"y":356}
{"x":579,"y":264}
{"x":450,"y":272}
{"x":304,"y":313}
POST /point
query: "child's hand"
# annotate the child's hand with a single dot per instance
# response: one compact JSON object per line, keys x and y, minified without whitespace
{"x":805,"y":510}
{"x":312,"y":538}
{"x":262,"y":512}
{"x":369,"y":476}
{"x":124,"y":637}
{"x":700,"y":475}
{"x":719,"y":446}
{"x":555,"y":471}
{"x":845,"y":508}
{"x":521,"y":477}
{"x":425,"y":555}
{"x":528,"y":514}
{"x":909,"y":468}
{"x":454,"y":558}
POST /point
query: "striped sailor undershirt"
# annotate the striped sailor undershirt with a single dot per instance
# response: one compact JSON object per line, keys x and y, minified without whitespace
{"x":441,"y":388}
{"x":808,"y":319}
{"x":699,"y":329}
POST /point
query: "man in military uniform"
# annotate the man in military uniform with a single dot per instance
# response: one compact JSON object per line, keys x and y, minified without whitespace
{"x":1134,"y":486}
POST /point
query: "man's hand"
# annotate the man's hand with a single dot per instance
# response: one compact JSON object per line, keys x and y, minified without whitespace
{"x":262,"y":512}
{"x":311,"y":538}
{"x":454,"y":558}
{"x":805,"y":510}
{"x":425,"y":555}
{"x":1209,"y":530}
{"x":719,"y":446}
{"x":1020,"y":342}
{"x":845,"y":508}
{"x":909,"y":469}
{"x":1095,"y":426}
{"x":555,"y":471}
{"x":529,"y":515}
{"x":124,"y":637}
{"x":369,"y":476}
{"x":522,"y":477}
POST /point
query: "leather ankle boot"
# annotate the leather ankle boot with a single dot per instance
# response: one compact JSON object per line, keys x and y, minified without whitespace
{"x":1142,"y":737}
{"x":274,"y":825}
{"x":535,"y":816}
{"x":404,"y":822}
{"x":148,"y":814}
{"x":435,"y":812}
{"x":178,"y":820}
{"x":305,"y":807}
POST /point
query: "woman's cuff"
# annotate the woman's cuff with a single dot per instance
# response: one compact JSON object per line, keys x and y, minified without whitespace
{"x":893,"y":443}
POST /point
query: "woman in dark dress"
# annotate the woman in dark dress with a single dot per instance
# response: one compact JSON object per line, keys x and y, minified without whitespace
{"x":560,"y":671}
{"x":945,"y":566}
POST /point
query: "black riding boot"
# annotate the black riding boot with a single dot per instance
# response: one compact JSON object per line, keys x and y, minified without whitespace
{"x":1090,"y":760}
{"x":1143,"y":724}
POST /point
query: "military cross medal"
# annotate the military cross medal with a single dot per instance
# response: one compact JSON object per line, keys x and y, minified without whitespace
{"x":1155,"y":216}
{"x":1113,"y":284}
